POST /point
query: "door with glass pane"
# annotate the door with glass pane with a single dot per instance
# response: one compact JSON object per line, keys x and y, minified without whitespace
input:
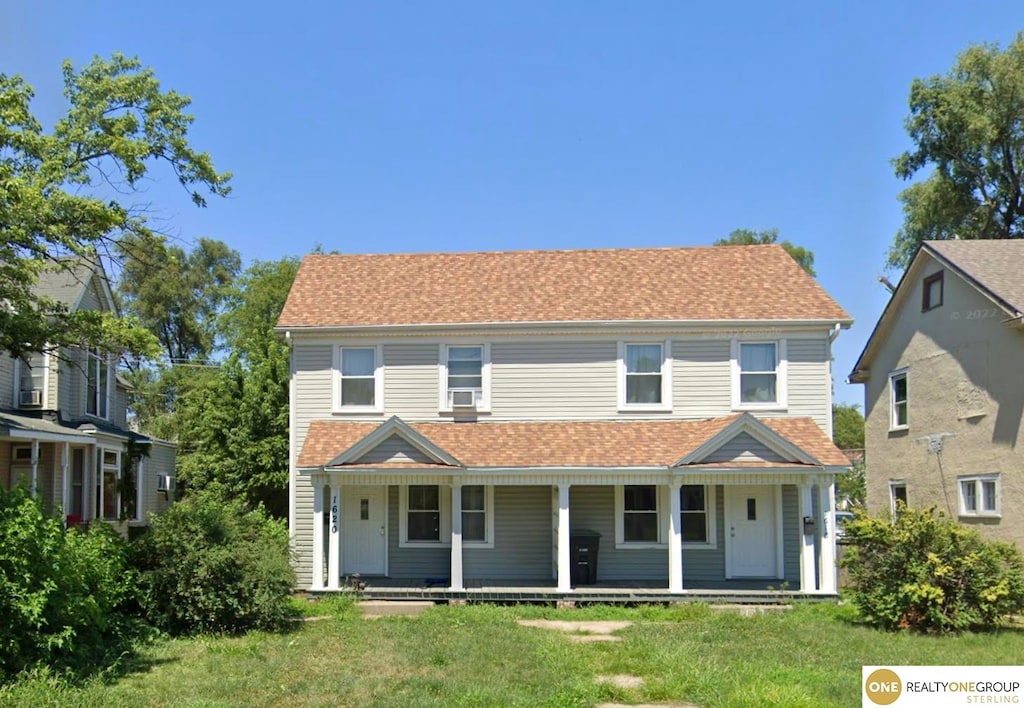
{"x":363,"y":531}
{"x":752,"y":535}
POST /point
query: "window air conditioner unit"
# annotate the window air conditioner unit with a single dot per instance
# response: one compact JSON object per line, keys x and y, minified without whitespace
{"x":164,"y":483}
{"x":463,"y":399}
{"x":31,"y":397}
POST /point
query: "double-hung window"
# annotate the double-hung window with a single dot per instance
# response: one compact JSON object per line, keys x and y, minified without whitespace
{"x":979,"y":495}
{"x":898,"y":400}
{"x":694,"y":506}
{"x":32,"y":380}
{"x":426,"y":515}
{"x":642,"y":515}
{"x":759,"y":375}
{"x":645,"y":379}
{"x":360,"y":379}
{"x":465,"y":377}
{"x":108,"y":492}
{"x":640,"y":520}
{"x":97,"y":384}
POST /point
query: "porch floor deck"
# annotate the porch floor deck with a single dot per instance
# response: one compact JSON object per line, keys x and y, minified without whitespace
{"x":532,"y":591}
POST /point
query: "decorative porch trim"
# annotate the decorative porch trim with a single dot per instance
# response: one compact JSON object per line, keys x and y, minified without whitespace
{"x":747,"y":423}
{"x":394,"y":426}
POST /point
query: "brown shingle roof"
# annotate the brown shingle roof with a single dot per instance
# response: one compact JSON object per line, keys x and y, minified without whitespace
{"x":654,"y":284}
{"x":994,"y":264}
{"x":564,"y":443}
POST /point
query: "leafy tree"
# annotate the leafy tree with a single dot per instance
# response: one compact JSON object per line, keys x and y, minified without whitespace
{"x":175,"y":294}
{"x":847,"y":426}
{"x":68,"y":191}
{"x":236,"y":427}
{"x":968,"y":126}
{"x":749,"y":237}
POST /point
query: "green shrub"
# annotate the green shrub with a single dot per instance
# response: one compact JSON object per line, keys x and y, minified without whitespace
{"x":66,"y":597}
{"x":209,"y":565}
{"x":926,"y":572}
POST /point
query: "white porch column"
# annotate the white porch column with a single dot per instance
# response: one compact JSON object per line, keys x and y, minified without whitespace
{"x":140,"y":489}
{"x":65,"y":484}
{"x":564,"y":558}
{"x":456,"y":572}
{"x":334,"y":550}
{"x":807,"y":579}
{"x":318,"y":534}
{"x":35,"y":469}
{"x":826,"y":492}
{"x":675,"y":538}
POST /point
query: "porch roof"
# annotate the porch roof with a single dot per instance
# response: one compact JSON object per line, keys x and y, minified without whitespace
{"x":23,"y":427}
{"x":567,"y":444}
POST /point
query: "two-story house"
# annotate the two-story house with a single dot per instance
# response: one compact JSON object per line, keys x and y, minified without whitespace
{"x":459,"y":419}
{"x":63,"y":422}
{"x":944,"y":387}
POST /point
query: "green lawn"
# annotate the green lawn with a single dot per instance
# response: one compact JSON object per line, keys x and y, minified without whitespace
{"x":478,"y":655}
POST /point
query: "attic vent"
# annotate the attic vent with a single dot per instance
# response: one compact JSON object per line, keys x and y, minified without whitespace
{"x":30,"y":397}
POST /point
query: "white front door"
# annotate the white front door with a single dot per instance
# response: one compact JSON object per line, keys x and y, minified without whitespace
{"x":752,"y":532}
{"x":364,"y":531}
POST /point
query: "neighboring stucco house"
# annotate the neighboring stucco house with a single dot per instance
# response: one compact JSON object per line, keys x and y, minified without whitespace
{"x":460,"y":418}
{"x":944,"y":387}
{"x":63,"y":422}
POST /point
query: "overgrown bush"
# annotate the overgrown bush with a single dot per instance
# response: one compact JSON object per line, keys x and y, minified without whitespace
{"x":926,"y":572}
{"x":66,"y":597}
{"x":210,"y":565}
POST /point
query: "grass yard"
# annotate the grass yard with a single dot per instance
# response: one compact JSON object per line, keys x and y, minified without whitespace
{"x":479,"y":656}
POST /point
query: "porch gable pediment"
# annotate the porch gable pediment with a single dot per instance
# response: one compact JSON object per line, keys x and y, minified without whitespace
{"x":747,"y":439}
{"x":394,"y":441}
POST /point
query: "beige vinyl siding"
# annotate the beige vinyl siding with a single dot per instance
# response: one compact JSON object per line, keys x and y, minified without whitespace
{"x":701,"y":378}
{"x":7,"y":382}
{"x":809,"y":379}
{"x":70,"y":386}
{"x":413,"y":563}
{"x":119,"y":407}
{"x":744,"y":448}
{"x":522,"y":538}
{"x":537,"y":379}
{"x":161,"y":460}
{"x":301,"y":528}
{"x":91,"y":298}
{"x":411,"y":380}
{"x":394,"y":449}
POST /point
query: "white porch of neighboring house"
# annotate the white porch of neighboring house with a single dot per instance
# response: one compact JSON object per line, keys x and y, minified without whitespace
{"x":714,"y":525}
{"x":78,"y":473}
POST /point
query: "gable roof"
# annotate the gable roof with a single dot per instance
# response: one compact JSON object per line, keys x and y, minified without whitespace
{"x":740,"y":283}
{"x":661,"y":443}
{"x":69,"y":278}
{"x":993,"y":266}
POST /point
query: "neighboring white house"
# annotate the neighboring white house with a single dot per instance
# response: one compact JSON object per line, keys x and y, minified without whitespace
{"x":63,"y":422}
{"x":944,"y":387}
{"x":458,"y":418}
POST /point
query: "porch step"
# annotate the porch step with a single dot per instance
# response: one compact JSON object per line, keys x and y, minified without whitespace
{"x":381,"y":608}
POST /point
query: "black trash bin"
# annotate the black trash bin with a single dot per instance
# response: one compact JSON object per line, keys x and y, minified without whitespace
{"x":583,"y":547}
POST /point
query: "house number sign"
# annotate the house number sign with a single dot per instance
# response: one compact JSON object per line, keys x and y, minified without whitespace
{"x":334,"y":514}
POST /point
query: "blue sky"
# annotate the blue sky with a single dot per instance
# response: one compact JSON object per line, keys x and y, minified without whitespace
{"x":423,"y":126}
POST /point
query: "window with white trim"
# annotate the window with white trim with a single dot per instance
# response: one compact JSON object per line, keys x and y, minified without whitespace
{"x":360,"y":379}
{"x":979,"y":495}
{"x":31,"y":380}
{"x":759,"y":373}
{"x":642,"y":516}
{"x":465,"y":377}
{"x":425,"y":518}
{"x":645,"y":376}
{"x":899,"y":417}
{"x":97,"y":384}
{"x":108,"y":492}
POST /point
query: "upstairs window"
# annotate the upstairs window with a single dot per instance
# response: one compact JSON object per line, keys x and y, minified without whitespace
{"x":31,"y":380}
{"x":359,"y":386}
{"x":931,"y":292}
{"x":898,"y":401}
{"x":979,"y":496}
{"x":759,"y":375}
{"x":645,"y":376}
{"x":465,"y":377}
{"x":97,"y":384}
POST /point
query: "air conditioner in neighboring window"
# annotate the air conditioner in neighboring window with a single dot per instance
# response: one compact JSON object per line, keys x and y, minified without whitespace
{"x":164,"y":483}
{"x":30,"y":397}
{"x":463,"y":399}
